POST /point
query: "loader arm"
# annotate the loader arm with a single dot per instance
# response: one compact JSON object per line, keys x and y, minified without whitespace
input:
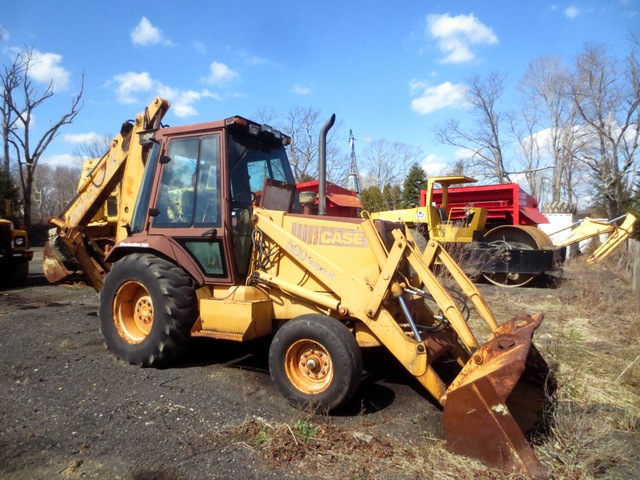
{"x":122,"y":165}
{"x":377,"y":300}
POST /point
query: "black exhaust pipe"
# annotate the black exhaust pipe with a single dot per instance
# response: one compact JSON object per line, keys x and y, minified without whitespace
{"x":322,"y":165}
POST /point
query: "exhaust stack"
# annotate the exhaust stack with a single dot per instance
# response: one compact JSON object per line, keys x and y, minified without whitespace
{"x":322,"y":165}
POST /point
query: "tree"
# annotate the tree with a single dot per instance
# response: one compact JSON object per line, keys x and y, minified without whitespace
{"x":303,"y":124}
{"x":545,"y":129}
{"x":94,"y":148}
{"x":392,"y":197}
{"x":459,"y":167}
{"x":413,"y":184}
{"x":9,"y":195}
{"x":385,"y":163}
{"x":483,"y":140}
{"x":52,"y":189}
{"x":607,"y":99}
{"x":22,"y":99}
{"x":371,"y":199}
{"x":10,"y":82}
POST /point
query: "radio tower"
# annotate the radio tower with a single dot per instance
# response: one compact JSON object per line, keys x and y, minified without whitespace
{"x":353,"y":180}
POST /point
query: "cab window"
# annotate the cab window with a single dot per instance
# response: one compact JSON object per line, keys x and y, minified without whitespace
{"x":189,"y":192}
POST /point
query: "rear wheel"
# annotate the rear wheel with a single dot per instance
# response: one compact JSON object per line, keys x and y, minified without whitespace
{"x":147,"y":308}
{"x":315,"y":362}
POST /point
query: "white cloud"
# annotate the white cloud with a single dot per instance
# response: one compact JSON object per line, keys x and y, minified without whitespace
{"x":45,"y":68}
{"x":434,"y":165}
{"x":82,"y":138}
{"x":146,"y":34}
{"x":64,"y":160}
{"x":434,"y":98}
{"x":299,"y":90}
{"x":182,"y":101}
{"x":219,"y":73}
{"x":571,"y":12}
{"x":131,"y":83}
{"x":457,"y":35}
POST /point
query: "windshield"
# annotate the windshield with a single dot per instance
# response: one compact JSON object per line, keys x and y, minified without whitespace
{"x":251,"y":162}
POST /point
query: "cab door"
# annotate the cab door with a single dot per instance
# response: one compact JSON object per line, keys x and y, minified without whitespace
{"x":188,"y":203}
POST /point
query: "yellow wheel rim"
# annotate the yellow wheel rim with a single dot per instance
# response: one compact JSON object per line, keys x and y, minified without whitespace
{"x":308,"y":366}
{"x":133,"y":312}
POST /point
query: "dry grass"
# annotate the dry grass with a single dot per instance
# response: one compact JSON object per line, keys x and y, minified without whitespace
{"x":591,"y":333}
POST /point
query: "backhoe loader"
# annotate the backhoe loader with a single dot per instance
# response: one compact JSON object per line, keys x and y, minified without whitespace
{"x":210,"y":243}
{"x":506,"y":255}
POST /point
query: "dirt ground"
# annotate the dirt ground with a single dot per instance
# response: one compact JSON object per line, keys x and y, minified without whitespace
{"x":69,"y":409}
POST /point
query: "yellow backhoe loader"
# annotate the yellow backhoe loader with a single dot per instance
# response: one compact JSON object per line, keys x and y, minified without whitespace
{"x":209,"y":242}
{"x":506,"y":255}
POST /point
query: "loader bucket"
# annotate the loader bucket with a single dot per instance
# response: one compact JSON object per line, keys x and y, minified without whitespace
{"x":54,"y":261}
{"x":501,"y":396}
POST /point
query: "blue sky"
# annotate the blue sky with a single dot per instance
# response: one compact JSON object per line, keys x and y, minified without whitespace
{"x":388,"y":70}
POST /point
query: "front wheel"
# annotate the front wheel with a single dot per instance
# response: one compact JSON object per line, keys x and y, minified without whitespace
{"x":147,"y":308}
{"x":315,"y":362}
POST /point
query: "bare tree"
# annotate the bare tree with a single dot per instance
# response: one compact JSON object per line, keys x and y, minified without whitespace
{"x":267,"y":115}
{"x":459,"y":167}
{"x":386,"y":163}
{"x":94,"y":148}
{"x":28,"y":151}
{"x":546,"y":128}
{"x":483,"y":140}
{"x":52,"y":189}
{"x":607,"y":99}
{"x":10,"y":82}
{"x":303,"y":124}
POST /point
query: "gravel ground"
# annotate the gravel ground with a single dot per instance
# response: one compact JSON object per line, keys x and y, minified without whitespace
{"x":69,"y":409}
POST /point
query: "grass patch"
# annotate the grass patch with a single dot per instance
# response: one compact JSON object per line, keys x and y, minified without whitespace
{"x":324,"y":450}
{"x":592,"y":333}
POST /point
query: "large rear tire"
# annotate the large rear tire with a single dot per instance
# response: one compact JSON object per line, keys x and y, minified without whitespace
{"x":315,"y":363}
{"x":147,"y":308}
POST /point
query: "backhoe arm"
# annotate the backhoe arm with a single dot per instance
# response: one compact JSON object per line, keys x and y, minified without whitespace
{"x":122,"y":165}
{"x":589,"y":228}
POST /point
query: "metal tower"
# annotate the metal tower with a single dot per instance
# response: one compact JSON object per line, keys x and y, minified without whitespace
{"x":353,"y":180}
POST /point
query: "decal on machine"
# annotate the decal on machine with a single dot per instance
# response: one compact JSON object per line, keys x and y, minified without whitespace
{"x":134,"y":244}
{"x":323,"y":235}
{"x":308,"y":260}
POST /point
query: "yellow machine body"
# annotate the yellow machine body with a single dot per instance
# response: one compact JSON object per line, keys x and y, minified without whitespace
{"x":317,"y":284}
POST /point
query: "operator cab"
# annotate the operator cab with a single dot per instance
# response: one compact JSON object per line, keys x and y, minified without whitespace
{"x":199,"y":185}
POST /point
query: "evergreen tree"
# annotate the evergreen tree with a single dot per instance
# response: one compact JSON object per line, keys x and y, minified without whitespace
{"x":392,"y":197}
{"x":371,"y":199}
{"x":9,"y":195}
{"x":415,"y":181}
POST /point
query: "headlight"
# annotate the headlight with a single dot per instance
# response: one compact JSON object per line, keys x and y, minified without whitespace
{"x":19,"y":241}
